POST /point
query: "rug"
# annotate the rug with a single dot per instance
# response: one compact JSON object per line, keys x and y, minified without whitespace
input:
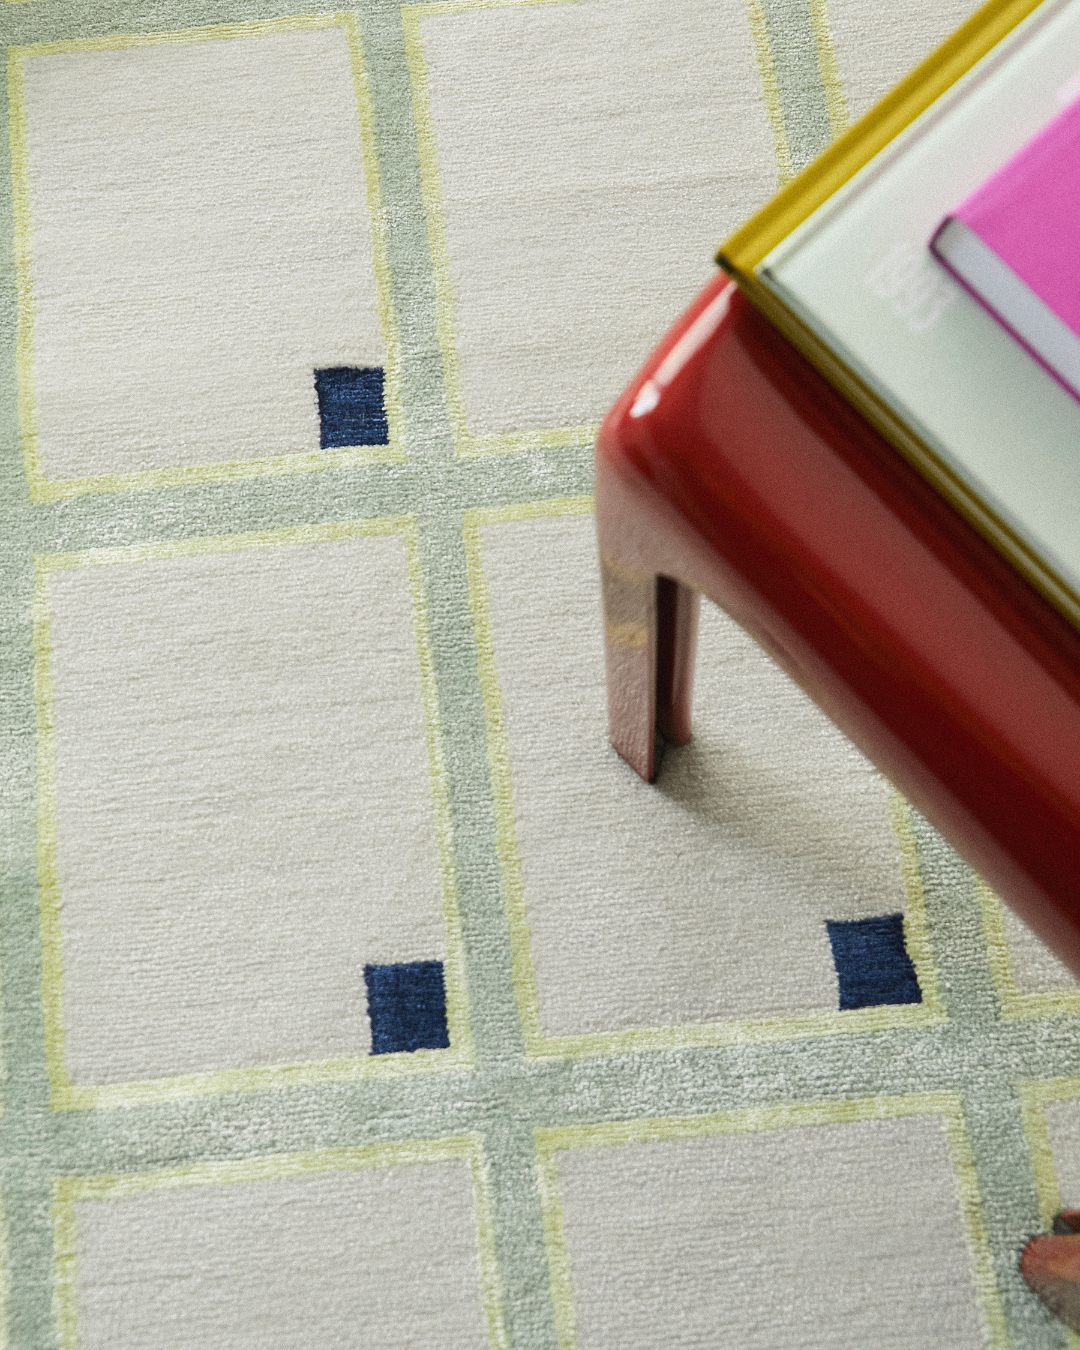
{"x":354,"y":993}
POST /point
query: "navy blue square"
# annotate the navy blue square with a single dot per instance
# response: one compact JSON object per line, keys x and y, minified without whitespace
{"x":872,"y":964}
{"x":351,"y":408}
{"x":407,"y":1007}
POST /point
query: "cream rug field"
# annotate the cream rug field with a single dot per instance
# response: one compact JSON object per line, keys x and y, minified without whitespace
{"x":354,"y":993}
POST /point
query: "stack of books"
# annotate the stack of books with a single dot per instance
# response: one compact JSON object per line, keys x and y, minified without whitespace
{"x":929,"y":265}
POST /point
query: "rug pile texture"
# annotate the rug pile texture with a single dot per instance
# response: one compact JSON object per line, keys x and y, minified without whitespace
{"x":354,"y":993}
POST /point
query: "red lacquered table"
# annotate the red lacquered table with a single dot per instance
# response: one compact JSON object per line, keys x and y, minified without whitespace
{"x":731,"y":468}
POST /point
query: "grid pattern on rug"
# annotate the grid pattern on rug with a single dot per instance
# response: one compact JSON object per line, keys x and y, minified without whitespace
{"x":354,"y":992}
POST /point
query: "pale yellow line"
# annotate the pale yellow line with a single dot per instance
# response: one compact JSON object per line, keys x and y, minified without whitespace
{"x":916,"y":924}
{"x":457,"y":999}
{"x":380,"y":257}
{"x":467,"y":445}
{"x":997,"y":950}
{"x":497,"y":754}
{"x":158,"y":549}
{"x":48,"y":881}
{"x":204,"y":33}
{"x":67,"y":1191}
{"x":1033,"y":1097}
{"x":746,"y":1120}
{"x":260,"y":1078}
{"x":753,"y":1120}
{"x":42,"y":488}
{"x":839,"y":120}
{"x":828,"y":1022}
{"x":490,"y":1282}
{"x":737,"y":1031}
{"x":63,"y":1293}
{"x":770,"y":92}
{"x":1014,"y":1003}
{"x":66,"y":1096}
{"x":982,"y":1265}
{"x":541,"y":438}
{"x":1043,"y":1005}
{"x":5,"y":1281}
{"x":24,"y":329}
{"x":434,"y":8}
{"x":433,"y":211}
{"x":558,"y":1258}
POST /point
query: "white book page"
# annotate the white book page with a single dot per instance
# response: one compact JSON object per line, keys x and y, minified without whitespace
{"x":1007,"y":295}
{"x":860,"y":273}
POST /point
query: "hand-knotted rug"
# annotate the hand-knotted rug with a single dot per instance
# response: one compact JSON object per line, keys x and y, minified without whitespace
{"x":354,"y":992}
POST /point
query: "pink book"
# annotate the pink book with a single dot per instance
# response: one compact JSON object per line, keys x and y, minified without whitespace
{"x":1014,"y":243}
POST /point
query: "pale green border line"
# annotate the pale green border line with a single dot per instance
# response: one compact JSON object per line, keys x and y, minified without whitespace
{"x":1033,"y":1097}
{"x":930,"y":1012}
{"x":63,"y":1094}
{"x":751,"y":1121}
{"x":5,"y":1281}
{"x":277,"y":1167}
{"x":1014,"y":1002}
{"x":835,"y":103}
{"x":42,"y":488}
{"x":770,"y":91}
{"x":916,"y":923}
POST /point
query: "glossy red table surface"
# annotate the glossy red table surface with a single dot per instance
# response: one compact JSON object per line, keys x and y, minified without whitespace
{"x":731,"y":466}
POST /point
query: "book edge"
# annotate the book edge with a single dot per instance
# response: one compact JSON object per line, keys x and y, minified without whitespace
{"x":1012,"y":302}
